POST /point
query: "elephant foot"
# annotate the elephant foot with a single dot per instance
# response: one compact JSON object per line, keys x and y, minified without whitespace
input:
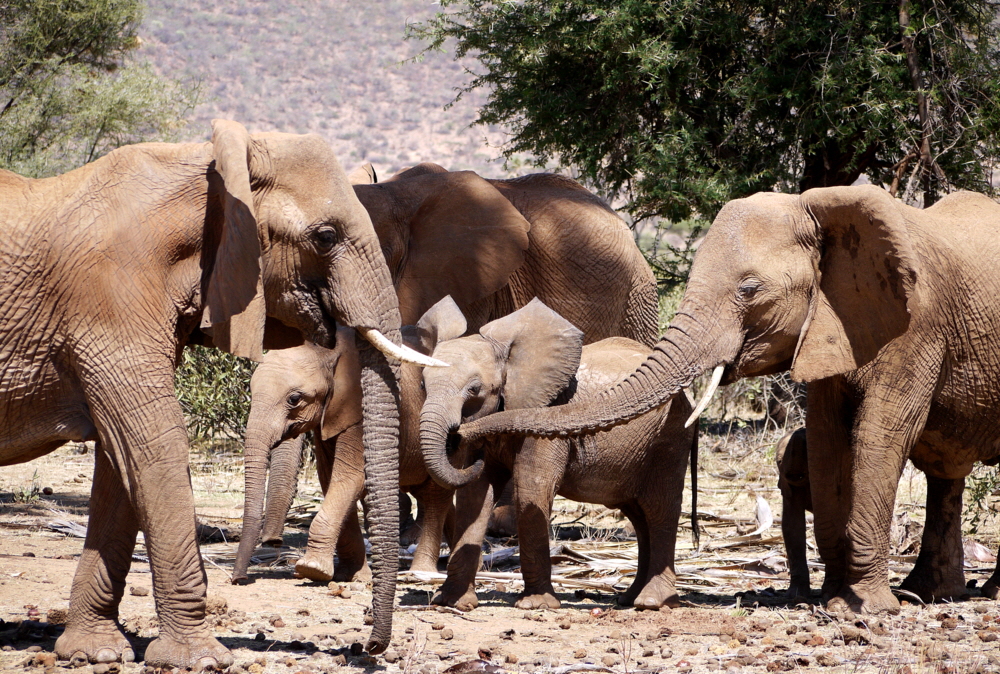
{"x":196,"y":653}
{"x":462,"y":600}
{"x":315,"y":568}
{"x":933,"y":587}
{"x":101,"y":643}
{"x":345,"y":573}
{"x":532,"y":600}
{"x":657,"y":593}
{"x":991,"y":588}
{"x":858,"y":600}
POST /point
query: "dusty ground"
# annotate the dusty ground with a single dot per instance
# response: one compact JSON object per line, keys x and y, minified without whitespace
{"x":733,"y":617}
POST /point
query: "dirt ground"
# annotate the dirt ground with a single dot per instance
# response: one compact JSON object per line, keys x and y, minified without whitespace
{"x":733,"y":617}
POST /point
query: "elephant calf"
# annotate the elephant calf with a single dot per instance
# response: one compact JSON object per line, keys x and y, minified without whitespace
{"x":530,"y":358}
{"x":796,"y":499}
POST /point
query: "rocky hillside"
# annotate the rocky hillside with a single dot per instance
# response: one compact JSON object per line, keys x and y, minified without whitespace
{"x":340,"y":68}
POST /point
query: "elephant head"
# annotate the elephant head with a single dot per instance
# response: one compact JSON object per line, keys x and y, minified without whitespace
{"x":444,"y":233}
{"x":298,"y":256}
{"x":522,"y":360}
{"x":293,"y":391}
{"x":817,"y":283}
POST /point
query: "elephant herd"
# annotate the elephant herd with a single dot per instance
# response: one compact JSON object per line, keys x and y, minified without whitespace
{"x":453,"y":335}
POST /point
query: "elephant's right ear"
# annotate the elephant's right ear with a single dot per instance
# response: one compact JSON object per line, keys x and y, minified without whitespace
{"x":441,"y":322}
{"x":544,"y":352}
{"x":465,"y":240}
{"x":867,"y":276}
{"x":363,"y":175}
{"x":343,"y":404}
{"x":234,"y":311}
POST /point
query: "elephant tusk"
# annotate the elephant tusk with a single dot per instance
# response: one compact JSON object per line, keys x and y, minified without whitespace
{"x":707,"y":398}
{"x":399,"y":352}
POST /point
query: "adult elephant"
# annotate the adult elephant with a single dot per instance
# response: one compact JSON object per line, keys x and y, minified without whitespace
{"x":890,"y":313}
{"x":493,"y":245}
{"x":109,"y":270}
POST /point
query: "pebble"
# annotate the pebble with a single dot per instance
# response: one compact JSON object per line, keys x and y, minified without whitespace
{"x":580,"y":654}
{"x":139,"y":591}
{"x":390,"y":656}
{"x":447,"y":634}
{"x":510,"y":659}
{"x":340,"y":660}
{"x":610,"y":660}
{"x":666,"y":653}
{"x":827,"y":660}
{"x":437,"y":626}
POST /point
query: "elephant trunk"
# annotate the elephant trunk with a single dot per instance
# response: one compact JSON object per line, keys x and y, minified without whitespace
{"x":684,"y":351}
{"x":380,"y":433}
{"x":436,"y":421}
{"x":286,"y":459}
{"x":261,"y":437}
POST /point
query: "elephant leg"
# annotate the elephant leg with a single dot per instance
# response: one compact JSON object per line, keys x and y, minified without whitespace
{"x":793,"y":531}
{"x":635,"y":515}
{"x":829,"y":417}
{"x":474,"y":502}
{"x":433,"y":501}
{"x":538,"y":469}
{"x":885,"y":431}
{"x":938,"y":572}
{"x":503,"y":519}
{"x":92,"y":632}
{"x":352,"y":557}
{"x":142,"y":430}
{"x":339,"y":502}
{"x":991,"y":588}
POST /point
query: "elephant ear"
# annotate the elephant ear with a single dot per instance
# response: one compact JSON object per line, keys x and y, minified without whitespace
{"x":234,"y":311}
{"x":343,"y":405}
{"x":867,"y":276}
{"x":363,"y":175}
{"x":441,"y":322}
{"x":465,"y":240}
{"x":543,"y":354}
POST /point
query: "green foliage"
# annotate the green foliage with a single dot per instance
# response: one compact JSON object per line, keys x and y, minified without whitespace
{"x":981,"y":488}
{"x":214,"y":389}
{"x":680,"y":106}
{"x":71,"y":89}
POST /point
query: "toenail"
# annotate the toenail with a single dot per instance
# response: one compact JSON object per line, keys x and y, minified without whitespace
{"x":106,"y":655}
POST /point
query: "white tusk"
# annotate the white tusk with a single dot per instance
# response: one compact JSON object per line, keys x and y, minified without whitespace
{"x":707,"y":398}
{"x":399,"y":352}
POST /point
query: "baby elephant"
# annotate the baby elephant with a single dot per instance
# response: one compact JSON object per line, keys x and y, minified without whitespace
{"x":796,"y":499}
{"x":532,"y":358}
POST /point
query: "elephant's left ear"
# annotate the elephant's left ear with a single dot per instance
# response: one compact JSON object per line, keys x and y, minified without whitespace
{"x":867,"y":279}
{"x":544,"y":352}
{"x":234,"y":311}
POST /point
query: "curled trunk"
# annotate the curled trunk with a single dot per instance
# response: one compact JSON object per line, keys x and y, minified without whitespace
{"x":684,"y":352}
{"x":435,"y":423}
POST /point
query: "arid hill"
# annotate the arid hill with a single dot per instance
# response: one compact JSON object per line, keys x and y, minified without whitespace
{"x":340,"y":68}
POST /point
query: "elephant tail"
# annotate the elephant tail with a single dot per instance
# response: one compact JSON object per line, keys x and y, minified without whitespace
{"x":695,"y":533}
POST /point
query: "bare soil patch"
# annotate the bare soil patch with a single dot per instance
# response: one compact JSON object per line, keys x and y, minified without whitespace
{"x":733,"y":616}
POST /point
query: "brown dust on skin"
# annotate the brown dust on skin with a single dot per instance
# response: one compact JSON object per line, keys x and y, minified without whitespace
{"x":305,"y":629}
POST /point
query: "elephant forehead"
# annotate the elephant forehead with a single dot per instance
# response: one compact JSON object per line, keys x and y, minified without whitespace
{"x":468,"y":356}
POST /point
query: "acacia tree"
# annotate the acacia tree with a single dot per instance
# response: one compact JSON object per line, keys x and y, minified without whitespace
{"x":682,"y":105}
{"x":71,"y":87}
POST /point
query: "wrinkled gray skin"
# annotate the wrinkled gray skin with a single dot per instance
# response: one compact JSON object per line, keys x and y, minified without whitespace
{"x":493,"y":245}
{"x":892,"y":316}
{"x":309,"y":388}
{"x":527,"y":359}
{"x":109,"y":271}
{"x":796,"y":500}
{"x":792,"y":458}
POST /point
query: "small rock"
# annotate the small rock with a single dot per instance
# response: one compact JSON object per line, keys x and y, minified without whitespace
{"x":579,"y":654}
{"x":357,"y":648}
{"x":955,"y":636}
{"x":47,"y":491}
{"x":340,"y":660}
{"x":298,"y":636}
{"x":303,"y":611}
{"x":57,"y":616}
{"x":610,"y":660}
{"x":27,"y":554}
{"x":101,"y":668}
{"x":45,"y":660}
{"x":437,"y":627}
{"x":260,"y":637}
{"x":214,"y":604}
{"x":816,"y":640}
{"x":987,"y":637}
{"x":390,"y":656}
{"x":826,"y":660}
{"x":33,"y":649}
{"x":447,"y":634}
{"x":510,"y":658}
{"x":345,"y":594}
{"x":335,"y":588}
{"x":565,"y":624}
{"x":647,"y":652}
{"x":255,"y":668}
{"x":139,"y":591}
{"x":666,"y":653}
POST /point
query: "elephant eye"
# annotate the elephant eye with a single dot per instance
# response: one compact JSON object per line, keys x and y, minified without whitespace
{"x":295,"y":398}
{"x":325,"y":238}
{"x":748,"y":289}
{"x":474,"y":389}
